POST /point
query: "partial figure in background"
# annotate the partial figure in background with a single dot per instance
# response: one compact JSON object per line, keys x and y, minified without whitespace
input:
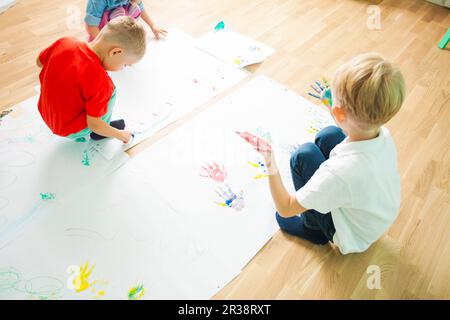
{"x":100,"y":12}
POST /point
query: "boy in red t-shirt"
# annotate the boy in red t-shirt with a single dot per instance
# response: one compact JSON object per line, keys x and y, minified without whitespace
{"x":77,"y":94}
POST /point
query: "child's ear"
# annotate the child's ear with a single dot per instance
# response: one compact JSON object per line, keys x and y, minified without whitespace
{"x":338,"y":113}
{"x":115,"y":51}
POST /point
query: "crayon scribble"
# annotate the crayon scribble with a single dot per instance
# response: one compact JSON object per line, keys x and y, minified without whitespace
{"x":136,"y":293}
{"x":231,"y":200}
{"x":81,"y":281}
{"x":254,"y":48}
{"x":315,"y":125}
{"x":264,"y":134}
{"x":47,"y":196}
{"x":289,"y":148}
{"x":214,"y":171}
{"x":41,"y":287}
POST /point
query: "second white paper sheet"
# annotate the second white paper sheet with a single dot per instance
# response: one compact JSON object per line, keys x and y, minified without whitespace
{"x":173,"y":78}
{"x":217,"y":182}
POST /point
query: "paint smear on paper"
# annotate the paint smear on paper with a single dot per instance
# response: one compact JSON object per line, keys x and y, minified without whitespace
{"x":136,"y":293}
{"x":47,"y":196}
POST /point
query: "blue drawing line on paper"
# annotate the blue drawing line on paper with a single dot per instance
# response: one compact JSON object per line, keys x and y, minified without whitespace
{"x":40,"y":287}
{"x":9,"y":229}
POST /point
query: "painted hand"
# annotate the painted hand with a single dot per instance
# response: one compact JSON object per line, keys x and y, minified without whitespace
{"x":214,"y":171}
{"x":260,"y":144}
{"x":263,"y":147}
{"x":125,"y":136}
{"x":231,"y":200}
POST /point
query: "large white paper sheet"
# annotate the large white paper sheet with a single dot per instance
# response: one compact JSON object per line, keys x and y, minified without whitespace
{"x":126,"y":233}
{"x":173,"y":78}
{"x":234,"y":48}
{"x":158,"y":222}
{"x":36,"y":166}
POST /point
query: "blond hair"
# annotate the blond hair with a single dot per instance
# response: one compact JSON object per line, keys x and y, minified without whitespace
{"x":370,"y":89}
{"x":128,"y":33}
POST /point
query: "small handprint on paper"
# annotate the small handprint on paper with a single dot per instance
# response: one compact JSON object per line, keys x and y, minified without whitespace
{"x":214,"y":171}
{"x":230,"y":199}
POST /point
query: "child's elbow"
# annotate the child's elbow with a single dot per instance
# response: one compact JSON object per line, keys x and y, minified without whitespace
{"x":38,"y":63}
{"x":284,"y":213}
{"x":92,"y":124}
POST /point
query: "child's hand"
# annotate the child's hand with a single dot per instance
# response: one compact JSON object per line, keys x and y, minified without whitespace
{"x":158,"y":32}
{"x":263,"y":147}
{"x":125,"y":136}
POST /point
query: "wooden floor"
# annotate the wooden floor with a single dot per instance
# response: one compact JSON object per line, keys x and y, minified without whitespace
{"x":311,"y":38}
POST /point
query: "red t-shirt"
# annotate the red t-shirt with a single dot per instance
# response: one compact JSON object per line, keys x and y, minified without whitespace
{"x":73,"y":84}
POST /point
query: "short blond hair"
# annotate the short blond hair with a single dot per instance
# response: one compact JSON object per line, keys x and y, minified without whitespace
{"x":128,"y":33}
{"x":370,"y":88}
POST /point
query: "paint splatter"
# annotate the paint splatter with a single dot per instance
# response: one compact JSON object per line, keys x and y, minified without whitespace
{"x":214,"y":171}
{"x":261,"y":167}
{"x":47,"y":196}
{"x":136,"y":293}
{"x":238,"y":61}
{"x":40,"y":287}
{"x":86,"y":161}
{"x":231,"y":200}
{"x":312,"y":130}
{"x":254,"y":48}
{"x":289,"y":148}
{"x":79,"y":280}
{"x":219,"y":26}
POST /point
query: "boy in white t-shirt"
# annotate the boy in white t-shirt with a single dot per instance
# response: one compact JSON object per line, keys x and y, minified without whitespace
{"x":347,"y":182}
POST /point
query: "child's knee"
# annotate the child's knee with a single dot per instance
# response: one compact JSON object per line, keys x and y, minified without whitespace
{"x":304,"y":152}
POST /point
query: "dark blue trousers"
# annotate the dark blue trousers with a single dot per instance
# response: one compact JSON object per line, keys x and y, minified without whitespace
{"x":313,"y":226}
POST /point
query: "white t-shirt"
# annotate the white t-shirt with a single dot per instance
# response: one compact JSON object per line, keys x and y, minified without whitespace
{"x":360,"y":185}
